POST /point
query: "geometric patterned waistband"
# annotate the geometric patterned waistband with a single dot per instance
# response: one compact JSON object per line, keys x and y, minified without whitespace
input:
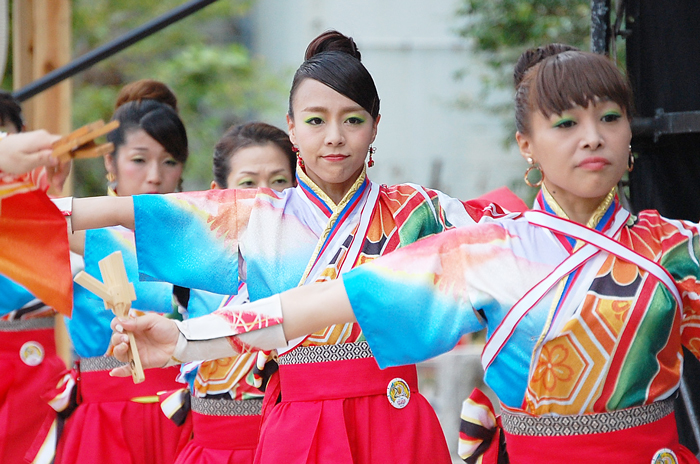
{"x":326,"y":353}
{"x":99,"y":363}
{"x":548,"y":426}
{"x":219,"y":407}
{"x":28,"y":324}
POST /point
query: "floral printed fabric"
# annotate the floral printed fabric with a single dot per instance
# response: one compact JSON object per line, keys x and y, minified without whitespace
{"x":618,"y":346}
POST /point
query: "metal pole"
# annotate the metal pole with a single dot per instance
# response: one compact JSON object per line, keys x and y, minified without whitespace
{"x":600,"y":26}
{"x":690,"y":407}
{"x":109,"y":49}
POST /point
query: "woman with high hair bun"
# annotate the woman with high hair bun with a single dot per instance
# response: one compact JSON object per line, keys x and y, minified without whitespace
{"x":330,"y":401}
{"x":226,"y":393}
{"x":586,"y":306}
{"x":112,"y":420}
{"x":146,"y":89}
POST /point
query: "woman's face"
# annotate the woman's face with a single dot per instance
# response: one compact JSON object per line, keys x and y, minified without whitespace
{"x":583,"y":152}
{"x":143,"y":166}
{"x":333,"y":134}
{"x":259,"y":166}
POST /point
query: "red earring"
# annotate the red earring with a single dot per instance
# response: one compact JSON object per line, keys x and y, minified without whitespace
{"x":300,"y":161}
{"x":370,"y":162}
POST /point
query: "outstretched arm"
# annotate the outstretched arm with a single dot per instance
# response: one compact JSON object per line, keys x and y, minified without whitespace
{"x":98,"y":212}
{"x":20,"y":153}
{"x":257,"y":325}
{"x":311,"y":308}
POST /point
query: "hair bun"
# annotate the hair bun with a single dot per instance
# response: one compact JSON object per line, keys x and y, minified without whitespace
{"x":331,"y":41}
{"x":531,"y":57}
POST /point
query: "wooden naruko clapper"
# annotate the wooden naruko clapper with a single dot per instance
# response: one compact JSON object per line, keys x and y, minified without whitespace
{"x":117,"y":293}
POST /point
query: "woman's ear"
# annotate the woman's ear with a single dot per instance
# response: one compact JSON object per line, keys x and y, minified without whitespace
{"x":109,"y":163}
{"x":290,"y":130}
{"x":524,"y":145}
{"x":376,"y":123}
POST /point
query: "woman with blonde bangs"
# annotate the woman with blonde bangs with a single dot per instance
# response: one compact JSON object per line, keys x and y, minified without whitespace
{"x":586,"y":306}
{"x":329,"y":402}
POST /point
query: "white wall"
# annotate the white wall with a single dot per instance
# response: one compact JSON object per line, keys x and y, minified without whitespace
{"x":413,"y":52}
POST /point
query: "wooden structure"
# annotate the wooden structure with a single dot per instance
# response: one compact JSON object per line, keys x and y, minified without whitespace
{"x":117,"y":293}
{"x":41,"y":31}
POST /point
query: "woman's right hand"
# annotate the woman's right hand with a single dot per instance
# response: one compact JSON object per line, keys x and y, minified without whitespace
{"x":20,"y":153}
{"x":156,"y":337}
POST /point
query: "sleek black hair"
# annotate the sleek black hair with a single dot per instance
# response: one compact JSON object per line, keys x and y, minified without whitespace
{"x":158,"y":120}
{"x":10,"y":111}
{"x":334,"y":60}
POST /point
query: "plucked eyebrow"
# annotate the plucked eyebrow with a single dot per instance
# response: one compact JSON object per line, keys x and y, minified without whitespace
{"x":321,"y":109}
{"x":277,"y":171}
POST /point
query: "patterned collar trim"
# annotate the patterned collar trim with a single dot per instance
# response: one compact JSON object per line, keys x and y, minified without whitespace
{"x":597,"y":215}
{"x":317,"y":195}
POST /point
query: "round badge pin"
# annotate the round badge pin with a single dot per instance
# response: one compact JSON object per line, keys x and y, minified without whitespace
{"x":664,"y":456}
{"x":398,"y":392}
{"x":32,"y":353}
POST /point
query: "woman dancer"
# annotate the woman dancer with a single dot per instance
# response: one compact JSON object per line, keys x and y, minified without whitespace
{"x":115,"y":420}
{"x":334,"y":405}
{"x":28,"y":357}
{"x":586,"y":305}
{"x":225,"y":392}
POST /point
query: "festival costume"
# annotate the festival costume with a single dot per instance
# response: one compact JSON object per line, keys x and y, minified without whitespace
{"x":584,"y":335}
{"x":33,"y":253}
{"x":117,"y":421}
{"x":224,"y":397}
{"x":334,"y":405}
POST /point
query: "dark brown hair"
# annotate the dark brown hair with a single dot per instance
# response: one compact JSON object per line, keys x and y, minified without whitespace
{"x":146,"y":89}
{"x":334,"y":60}
{"x":555,"y":78}
{"x":246,"y":135}
{"x":10,"y":111}
{"x":158,"y":120}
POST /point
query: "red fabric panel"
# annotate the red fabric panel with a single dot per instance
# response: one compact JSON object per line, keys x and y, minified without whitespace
{"x":634,"y":445}
{"x":221,"y":440}
{"x":343,"y":426}
{"x":109,"y":429}
{"x":22,"y":411}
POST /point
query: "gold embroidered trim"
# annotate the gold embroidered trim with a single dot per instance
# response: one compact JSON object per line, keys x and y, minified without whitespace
{"x":595,"y":217}
{"x":334,"y":217}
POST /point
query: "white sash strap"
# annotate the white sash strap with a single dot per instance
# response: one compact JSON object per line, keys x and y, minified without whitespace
{"x":351,"y":255}
{"x":507,"y":326}
{"x":359,"y":238}
{"x":605,"y":243}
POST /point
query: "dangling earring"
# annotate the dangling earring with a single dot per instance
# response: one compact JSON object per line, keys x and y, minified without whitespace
{"x":370,"y":162}
{"x":532,"y":166}
{"x":111,"y":184}
{"x":300,"y":161}
{"x":630,"y":161}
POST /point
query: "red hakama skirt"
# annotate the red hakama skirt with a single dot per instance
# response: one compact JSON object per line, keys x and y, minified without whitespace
{"x":339,"y":412}
{"x":28,"y":367}
{"x":221,"y":439}
{"x":112,"y":424}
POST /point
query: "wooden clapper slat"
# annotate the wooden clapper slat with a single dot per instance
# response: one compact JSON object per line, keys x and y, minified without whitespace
{"x":81,"y":142}
{"x":117,"y":293}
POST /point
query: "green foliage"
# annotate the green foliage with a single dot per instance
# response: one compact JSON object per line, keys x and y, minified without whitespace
{"x":201,"y":58}
{"x":500,"y":30}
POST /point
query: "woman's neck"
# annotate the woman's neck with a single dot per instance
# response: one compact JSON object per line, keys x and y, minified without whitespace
{"x":585,"y":211}
{"x":336,"y":192}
